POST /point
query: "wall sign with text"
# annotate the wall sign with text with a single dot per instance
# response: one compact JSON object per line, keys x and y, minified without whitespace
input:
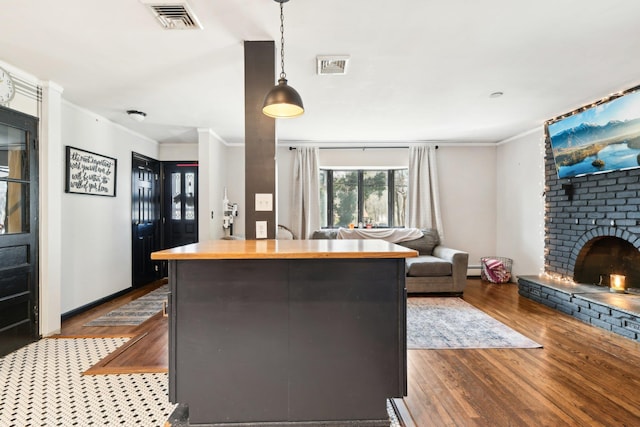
{"x":90,"y":173}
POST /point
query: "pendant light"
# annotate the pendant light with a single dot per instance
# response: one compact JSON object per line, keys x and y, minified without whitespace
{"x":282,"y":101}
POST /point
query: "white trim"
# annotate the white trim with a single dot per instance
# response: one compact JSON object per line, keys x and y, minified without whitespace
{"x":17,"y":72}
{"x":216,"y":136}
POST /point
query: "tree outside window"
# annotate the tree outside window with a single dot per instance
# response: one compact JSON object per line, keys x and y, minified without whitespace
{"x":363,"y":197}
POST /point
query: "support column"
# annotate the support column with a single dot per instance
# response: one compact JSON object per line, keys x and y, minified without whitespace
{"x":51,"y":152}
{"x":260,"y":135}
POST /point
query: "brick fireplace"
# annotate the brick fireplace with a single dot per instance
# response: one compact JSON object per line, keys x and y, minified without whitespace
{"x":592,"y":230}
{"x":588,"y":211}
{"x":604,"y":255}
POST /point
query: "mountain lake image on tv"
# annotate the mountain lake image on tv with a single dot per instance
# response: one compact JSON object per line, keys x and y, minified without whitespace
{"x":603,"y":138}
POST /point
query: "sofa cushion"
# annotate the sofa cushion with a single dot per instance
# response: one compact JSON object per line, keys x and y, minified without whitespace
{"x":425,"y":244}
{"x":428,"y":266}
{"x":324,"y":234}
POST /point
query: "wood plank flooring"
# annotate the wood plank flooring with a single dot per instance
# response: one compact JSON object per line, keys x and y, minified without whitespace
{"x":584,"y":376}
{"x":146,"y":351}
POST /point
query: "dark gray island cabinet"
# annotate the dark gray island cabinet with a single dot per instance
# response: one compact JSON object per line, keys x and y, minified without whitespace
{"x":295,"y":332}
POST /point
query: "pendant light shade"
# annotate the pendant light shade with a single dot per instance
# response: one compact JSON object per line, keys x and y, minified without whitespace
{"x":282,"y":101}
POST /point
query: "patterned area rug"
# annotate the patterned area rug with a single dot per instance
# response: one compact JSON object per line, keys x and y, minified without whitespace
{"x":42,"y":385}
{"x":134,"y":312}
{"x":442,"y":323}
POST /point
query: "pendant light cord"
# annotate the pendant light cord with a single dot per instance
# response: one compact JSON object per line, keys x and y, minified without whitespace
{"x":283,"y":75}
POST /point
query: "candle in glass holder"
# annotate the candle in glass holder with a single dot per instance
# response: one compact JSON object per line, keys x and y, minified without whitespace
{"x":617,"y":282}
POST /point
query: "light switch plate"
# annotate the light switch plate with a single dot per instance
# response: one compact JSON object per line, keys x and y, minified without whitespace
{"x":264,"y":202}
{"x":261,"y":229}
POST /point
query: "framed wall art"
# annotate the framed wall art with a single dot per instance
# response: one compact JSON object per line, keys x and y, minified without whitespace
{"x":90,"y":173}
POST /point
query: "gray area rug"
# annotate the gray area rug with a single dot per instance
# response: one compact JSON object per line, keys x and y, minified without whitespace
{"x":134,"y":312}
{"x":452,"y":323}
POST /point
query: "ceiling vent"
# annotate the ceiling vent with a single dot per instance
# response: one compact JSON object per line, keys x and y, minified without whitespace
{"x":333,"y":64}
{"x":173,"y":15}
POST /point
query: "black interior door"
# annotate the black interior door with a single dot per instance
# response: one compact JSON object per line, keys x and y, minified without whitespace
{"x":145,"y":219}
{"x":18,"y":230}
{"x":180,"y":203}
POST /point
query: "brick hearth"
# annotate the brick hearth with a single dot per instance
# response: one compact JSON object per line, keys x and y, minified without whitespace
{"x":618,"y":313}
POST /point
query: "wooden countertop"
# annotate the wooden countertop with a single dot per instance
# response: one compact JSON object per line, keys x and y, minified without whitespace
{"x":286,"y":249}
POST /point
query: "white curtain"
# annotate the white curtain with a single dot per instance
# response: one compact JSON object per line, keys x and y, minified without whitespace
{"x":305,"y":200}
{"x":423,"y":210}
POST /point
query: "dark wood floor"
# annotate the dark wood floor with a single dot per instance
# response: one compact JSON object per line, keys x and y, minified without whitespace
{"x":584,"y":376}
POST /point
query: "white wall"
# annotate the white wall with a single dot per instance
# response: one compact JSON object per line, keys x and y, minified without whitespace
{"x":384,"y":158}
{"x":520,"y":202}
{"x":212,"y":175}
{"x":178,"y":152}
{"x":96,"y":230}
{"x":235,"y":186}
{"x":284,"y":179}
{"x":467,"y":177}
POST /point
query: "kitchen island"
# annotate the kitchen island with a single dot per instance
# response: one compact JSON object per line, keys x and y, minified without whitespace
{"x":287,"y":332}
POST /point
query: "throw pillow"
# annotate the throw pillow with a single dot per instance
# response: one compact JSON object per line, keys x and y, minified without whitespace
{"x":425,"y":244}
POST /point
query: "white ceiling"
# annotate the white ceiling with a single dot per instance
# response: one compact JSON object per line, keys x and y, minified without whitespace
{"x":421,"y":70}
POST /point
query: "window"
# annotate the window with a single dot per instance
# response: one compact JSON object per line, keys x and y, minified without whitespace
{"x":375,"y":197}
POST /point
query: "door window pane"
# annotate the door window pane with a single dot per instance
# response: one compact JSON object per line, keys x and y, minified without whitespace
{"x":176,"y":198}
{"x":376,"y":198}
{"x":14,"y":207}
{"x":14,"y":167}
{"x":345,"y":198}
{"x":189,"y":202}
{"x":14,"y":162}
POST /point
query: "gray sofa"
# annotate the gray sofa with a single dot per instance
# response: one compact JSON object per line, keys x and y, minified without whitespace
{"x":437,"y":269}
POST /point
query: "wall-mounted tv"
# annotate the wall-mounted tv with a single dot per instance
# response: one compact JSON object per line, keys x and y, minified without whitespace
{"x":602,"y":137}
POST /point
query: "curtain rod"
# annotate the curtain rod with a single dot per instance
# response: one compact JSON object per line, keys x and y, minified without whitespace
{"x":358,"y":148}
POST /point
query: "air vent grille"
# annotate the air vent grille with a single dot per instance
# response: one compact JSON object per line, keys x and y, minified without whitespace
{"x":174,"y":16}
{"x":333,"y":65}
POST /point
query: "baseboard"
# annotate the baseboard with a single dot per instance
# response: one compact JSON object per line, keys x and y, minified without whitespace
{"x":86,"y":307}
{"x":82,"y":309}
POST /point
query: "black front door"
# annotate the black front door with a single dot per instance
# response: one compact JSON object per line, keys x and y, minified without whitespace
{"x":145,"y":219}
{"x":180,"y":203}
{"x":18,"y":230}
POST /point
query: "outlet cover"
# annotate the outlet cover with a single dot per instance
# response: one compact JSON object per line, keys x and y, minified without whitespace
{"x":261,"y":229}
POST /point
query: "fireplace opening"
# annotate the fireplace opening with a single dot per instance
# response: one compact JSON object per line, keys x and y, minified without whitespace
{"x":603,"y":256}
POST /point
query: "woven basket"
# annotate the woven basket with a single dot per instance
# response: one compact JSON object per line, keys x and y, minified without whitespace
{"x":503,"y":277}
